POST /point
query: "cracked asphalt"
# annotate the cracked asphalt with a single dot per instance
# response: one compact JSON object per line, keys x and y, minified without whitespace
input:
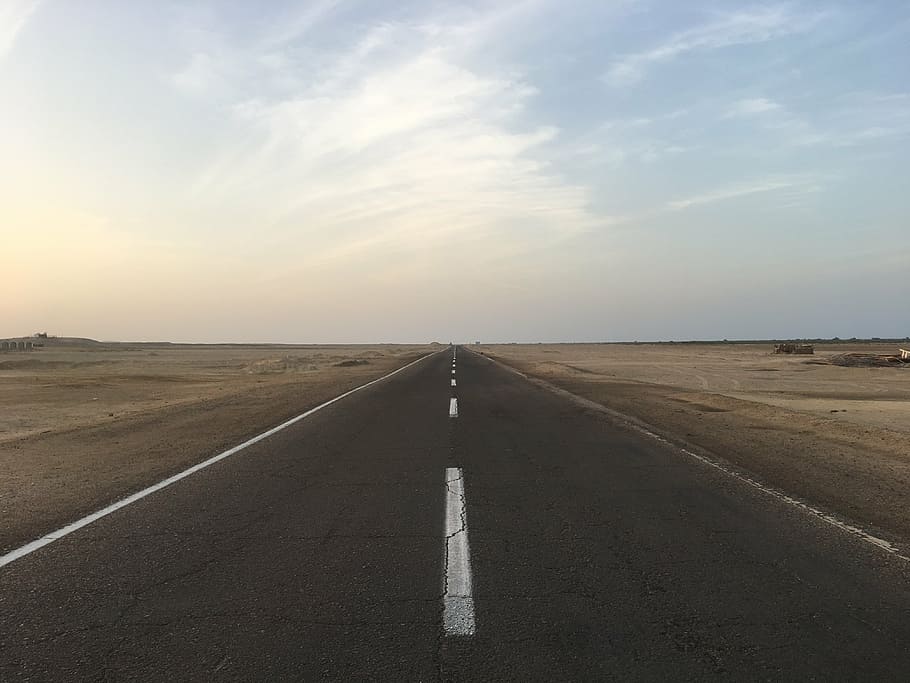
{"x":319,"y":553}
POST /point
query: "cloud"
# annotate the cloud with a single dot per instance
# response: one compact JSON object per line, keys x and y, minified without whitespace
{"x":623,"y":141}
{"x":222,"y":68}
{"x":751,"y":107}
{"x":14,"y":14}
{"x":868,"y":118}
{"x":203,"y":73}
{"x":792,"y":190}
{"x":848,"y":120}
{"x":298,"y":23}
{"x":741,"y":28}
{"x":396,"y":146}
{"x":741,"y":190}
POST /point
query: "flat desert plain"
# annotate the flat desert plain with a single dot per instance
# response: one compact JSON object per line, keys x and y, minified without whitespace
{"x":838,"y":437}
{"x":83,"y":423}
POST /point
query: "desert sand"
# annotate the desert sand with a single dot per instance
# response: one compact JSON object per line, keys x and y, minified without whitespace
{"x":867,"y":396}
{"x":76,"y":385}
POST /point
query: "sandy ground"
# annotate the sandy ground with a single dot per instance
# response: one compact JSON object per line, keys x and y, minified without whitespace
{"x":82,"y":426}
{"x":838,"y":437}
{"x":877,"y":397}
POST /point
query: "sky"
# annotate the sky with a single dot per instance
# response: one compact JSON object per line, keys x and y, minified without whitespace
{"x":332,"y":171}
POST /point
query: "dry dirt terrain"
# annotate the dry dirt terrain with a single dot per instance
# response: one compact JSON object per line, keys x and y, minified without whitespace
{"x":838,"y":437}
{"x":83,"y":424}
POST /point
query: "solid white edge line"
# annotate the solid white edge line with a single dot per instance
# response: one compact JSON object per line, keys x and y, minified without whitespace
{"x":862,"y":534}
{"x":458,"y":583}
{"x":453,"y":407}
{"x":47,"y":539}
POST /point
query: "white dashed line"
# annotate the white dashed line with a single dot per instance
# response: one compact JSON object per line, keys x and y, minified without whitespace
{"x":453,"y":407}
{"x":458,"y":586}
{"x":29,"y":548}
{"x":453,"y":372}
{"x":453,"y":381}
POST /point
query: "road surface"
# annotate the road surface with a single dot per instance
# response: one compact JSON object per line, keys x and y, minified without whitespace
{"x":476,"y":529}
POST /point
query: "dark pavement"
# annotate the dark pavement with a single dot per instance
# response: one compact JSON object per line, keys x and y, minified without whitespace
{"x":319,"y":553}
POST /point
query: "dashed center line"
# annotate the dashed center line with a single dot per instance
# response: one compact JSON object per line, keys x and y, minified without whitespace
{"x":458,"y":585}
{"x":453,"y":381}
{"x":453,"y":407}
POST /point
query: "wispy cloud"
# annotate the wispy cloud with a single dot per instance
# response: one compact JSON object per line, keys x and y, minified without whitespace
{"x":791,"y":190}
{"x":395,"y":144}
{"x":14,"y":14}
{"x":848,"y":120}
{"x":751,"y":107}
{"x":220,"y":67}
{"x":741,"y":28}
{"x":803,"y":184}
{"x":297,"y":23}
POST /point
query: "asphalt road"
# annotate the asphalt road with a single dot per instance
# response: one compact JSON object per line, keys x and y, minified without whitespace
{"x":580,"y":551}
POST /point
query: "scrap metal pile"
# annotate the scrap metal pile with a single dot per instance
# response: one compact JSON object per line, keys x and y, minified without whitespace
{"x":794,"y":348}
{"x":870,"y":360}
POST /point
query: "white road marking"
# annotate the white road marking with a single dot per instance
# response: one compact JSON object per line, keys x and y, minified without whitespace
{"x":31,"y":547}
{"x":458,"y":586}
{"x":453,"y":381}
{"x":453,"y":372}
{"x":453,"y":407}
{"x":780,"y":495}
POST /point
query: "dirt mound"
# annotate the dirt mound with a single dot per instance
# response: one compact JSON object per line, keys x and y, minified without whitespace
{"x":351,"y":363}
{"x":69,"y":342}
{"x":279,"y":365}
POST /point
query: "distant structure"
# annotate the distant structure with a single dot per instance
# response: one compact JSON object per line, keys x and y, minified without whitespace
{"x":477,"y":343}
{"x":905,"y":354}
{"x":807,"y":349}
{"x":16,"y":345}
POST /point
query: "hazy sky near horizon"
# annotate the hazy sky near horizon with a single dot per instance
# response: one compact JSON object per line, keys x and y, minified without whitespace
{"x":375,"y":171}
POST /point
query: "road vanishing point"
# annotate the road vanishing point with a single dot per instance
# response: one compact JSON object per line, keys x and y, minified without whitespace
{"x":455,"y":521}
